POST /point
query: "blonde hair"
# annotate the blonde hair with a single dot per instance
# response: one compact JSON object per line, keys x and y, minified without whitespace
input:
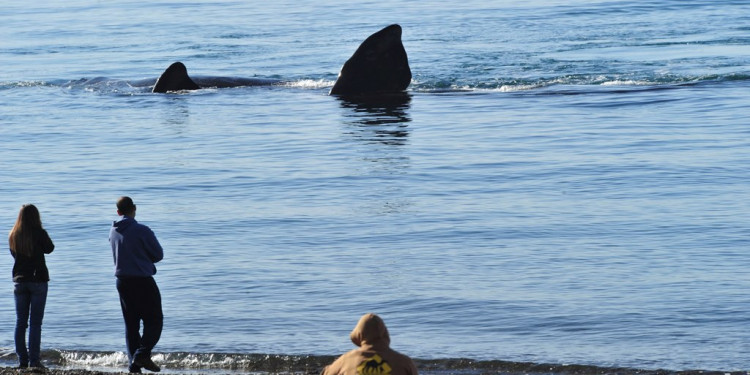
{"x":21,"y":237}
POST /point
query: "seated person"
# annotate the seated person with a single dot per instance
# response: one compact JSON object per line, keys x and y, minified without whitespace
{"x":374,"y":355}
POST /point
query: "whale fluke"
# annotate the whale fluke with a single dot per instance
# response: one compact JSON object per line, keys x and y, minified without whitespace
{"x":378,"y":66}
{"x":174,"y":78}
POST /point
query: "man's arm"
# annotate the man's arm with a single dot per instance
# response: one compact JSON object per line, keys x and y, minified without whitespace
{"x":155,"y":251}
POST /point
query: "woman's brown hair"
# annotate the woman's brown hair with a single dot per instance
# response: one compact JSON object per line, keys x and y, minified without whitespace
{"x":21,"y":237}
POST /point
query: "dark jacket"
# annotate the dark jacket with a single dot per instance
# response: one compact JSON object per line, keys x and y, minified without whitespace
{"x":135,"y":248}
{"x":33,"y":268}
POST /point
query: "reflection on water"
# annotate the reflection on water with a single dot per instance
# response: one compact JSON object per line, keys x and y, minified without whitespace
{"x":378,"y":127}
{"x":176,"y":114}
{"x":382,"y":119}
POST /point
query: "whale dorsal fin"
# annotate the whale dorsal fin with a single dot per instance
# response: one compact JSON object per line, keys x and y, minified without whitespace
{"x":174,"y":78}
{"x":379,"y":65}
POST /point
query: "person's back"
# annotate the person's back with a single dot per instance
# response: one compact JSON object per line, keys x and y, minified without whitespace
{"x":28,"y":242}
{"x":135,"y":249}
{"x":374,"y":355}
{"x":33,"y":268}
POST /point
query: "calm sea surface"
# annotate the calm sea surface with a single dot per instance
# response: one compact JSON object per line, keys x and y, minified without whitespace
{"x":568,"y":183}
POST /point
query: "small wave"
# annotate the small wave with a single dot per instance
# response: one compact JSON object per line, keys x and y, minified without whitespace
{"x":313,"y":364}
{"x":520,"y":85}
{"x":736,"y":77}
{"x":310,"y":83}
{"x":264,"y":363}
{"x":516,"y":88}
{"x":625,"y":83}
{"x":17,"y":84}
{"x":89,"y":359}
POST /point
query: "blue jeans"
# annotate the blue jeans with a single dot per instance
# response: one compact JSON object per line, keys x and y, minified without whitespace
{"x":31,"y":297}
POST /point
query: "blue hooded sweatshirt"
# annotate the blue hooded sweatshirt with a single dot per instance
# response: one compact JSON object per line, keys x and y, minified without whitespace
{"x":135,"y":248}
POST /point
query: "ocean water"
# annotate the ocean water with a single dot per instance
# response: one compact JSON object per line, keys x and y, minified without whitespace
{"x":566,"y":187}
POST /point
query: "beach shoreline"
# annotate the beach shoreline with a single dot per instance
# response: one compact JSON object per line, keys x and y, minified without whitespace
{"x":107,"y":371}
{"x":425,"y":367}
{"x":16,"y":371}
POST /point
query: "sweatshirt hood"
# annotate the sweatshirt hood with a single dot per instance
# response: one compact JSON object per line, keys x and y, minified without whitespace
{"x":123,"y":223}
{"x":370,"y":331}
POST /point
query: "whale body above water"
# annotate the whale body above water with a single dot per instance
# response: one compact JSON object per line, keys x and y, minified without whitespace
{"x":379,"y":66}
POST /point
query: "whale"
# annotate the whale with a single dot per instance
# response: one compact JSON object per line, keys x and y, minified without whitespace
{"x":379,"y":66}
{"x":176,"y":78}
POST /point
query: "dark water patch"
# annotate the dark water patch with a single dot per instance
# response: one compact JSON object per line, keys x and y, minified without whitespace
{"x":469,"y":366}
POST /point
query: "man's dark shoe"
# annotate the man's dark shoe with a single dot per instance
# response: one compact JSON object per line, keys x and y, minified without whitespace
{"x":146,"y":363}
{"x":37,"y":367}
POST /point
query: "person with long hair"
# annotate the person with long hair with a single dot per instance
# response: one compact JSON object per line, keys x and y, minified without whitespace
{"x":28,"y":242}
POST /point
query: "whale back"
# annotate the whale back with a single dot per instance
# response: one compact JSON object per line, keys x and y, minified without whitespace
{"x":174,"y":78}
{"x":379,"y":65}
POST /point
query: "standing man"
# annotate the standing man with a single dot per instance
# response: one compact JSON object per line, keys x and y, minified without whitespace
{"x":135,"y":250}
